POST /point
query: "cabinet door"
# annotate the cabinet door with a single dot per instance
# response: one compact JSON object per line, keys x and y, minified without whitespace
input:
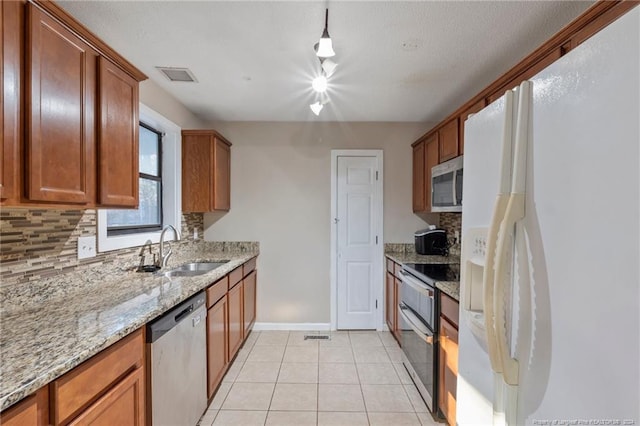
{"x":123,"y":405}
{"x":61,"y":89}
{"x":33,"y":410}
{"x":11,"y":16}
{"x":449,"y":140}
{"x":390,"y":302}
{"x":235,"y":320}
{"x":418,"y":178}
{"x":249,"y":297}
{"x":448,"y":370}
{"x":430,"y":160}
{"x":217,"y":349}
{"x":118,"y":138}
{"x":222,"y":178}
{"x":396,"y":297}
{"x":463,"y":117}
{"x":197,"y":165}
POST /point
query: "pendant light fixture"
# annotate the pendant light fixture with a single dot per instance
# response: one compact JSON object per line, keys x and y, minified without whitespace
{"x":316,"y":107}
{"x":325,"y":47}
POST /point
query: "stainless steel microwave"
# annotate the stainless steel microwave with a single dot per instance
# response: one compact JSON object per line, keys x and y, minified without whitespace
{"x":446,"y":186}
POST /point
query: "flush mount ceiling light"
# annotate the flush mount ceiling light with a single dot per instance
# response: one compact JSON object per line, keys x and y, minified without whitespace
{"x":325,"y":47}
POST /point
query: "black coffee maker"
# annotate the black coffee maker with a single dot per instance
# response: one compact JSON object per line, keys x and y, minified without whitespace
{"x":432,"y":242}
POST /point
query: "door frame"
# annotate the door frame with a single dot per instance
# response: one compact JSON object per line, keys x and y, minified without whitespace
{"x":378,"y":275}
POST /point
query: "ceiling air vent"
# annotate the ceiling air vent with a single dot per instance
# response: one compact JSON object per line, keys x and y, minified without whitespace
{"x":178,"y":74}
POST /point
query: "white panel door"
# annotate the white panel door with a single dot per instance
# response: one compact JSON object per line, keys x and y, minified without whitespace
{"x":356,"y":242}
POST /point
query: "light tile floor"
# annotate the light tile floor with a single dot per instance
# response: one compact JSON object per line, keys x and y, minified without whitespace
{"x":356,"y":378}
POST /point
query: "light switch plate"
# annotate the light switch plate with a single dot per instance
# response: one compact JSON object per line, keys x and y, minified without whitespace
{"x":86,"y":247}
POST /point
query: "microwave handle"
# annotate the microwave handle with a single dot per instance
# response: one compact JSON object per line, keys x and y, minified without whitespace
{"x":453,"y":190}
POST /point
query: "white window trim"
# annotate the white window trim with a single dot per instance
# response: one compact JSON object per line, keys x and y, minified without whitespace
{"x":171,"y":186}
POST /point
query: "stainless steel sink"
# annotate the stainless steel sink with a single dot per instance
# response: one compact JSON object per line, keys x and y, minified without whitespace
{"x":193,"y":269}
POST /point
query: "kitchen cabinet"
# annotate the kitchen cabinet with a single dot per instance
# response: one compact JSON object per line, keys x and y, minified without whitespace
{"x":392,"y":288}
{"x":61,"y":98}
{"x":448,"y":143}
{"x":11,"y":48}
{"x":118,"y":137}
{"x":448,"y":358}
{"x":217,"y":344}
{"x":100,"y":379}
{"x":418,"y":178}
{"x":476,"y":107}
{"x":249,"y":301}
{"x":236,"y":320}
{"x":69,"y":113}
{"x":206,"y":171}
{"x":33,"y":410}
{"x":426,"y":154}
{"x":122,"y":405}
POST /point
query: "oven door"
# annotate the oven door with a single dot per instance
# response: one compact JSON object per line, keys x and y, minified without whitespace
{"x":416,"y":316}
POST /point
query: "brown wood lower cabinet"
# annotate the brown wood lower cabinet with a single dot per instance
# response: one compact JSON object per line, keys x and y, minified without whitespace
{"x":249,"y":301}
{"x":122,"y":405}
{"x":236,"y":326}
{"x":217,"y":345}
{"x":33,"y":410}
{"x":448,"y":362}
{"x":391,"y":301}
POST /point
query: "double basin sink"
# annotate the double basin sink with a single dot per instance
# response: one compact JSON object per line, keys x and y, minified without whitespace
{"x":192,"y":269}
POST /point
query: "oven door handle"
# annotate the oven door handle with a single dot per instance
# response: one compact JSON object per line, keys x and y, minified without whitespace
{"x":416,"y":285}
{"x":409,"y":317}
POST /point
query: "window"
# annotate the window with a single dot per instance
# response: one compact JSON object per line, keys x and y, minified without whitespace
{"x":159,"y":186}
{"x":148,"y":216}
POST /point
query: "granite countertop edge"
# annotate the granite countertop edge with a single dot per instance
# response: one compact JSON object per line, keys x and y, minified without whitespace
{"x":23,"y":380}
{"x":450,"y":288}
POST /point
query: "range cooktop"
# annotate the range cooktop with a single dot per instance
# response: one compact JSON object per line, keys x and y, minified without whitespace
{"x":433,"y":272}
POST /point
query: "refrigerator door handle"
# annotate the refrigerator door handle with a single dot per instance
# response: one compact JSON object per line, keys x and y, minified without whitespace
{"x":499,"y":210}
{"x":515,"y":212}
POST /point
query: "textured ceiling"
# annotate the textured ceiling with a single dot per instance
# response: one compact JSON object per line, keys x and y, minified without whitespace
{"x":397,"y":61}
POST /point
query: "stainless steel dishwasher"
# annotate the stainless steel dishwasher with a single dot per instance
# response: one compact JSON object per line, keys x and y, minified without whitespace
{"x":178,"y":357}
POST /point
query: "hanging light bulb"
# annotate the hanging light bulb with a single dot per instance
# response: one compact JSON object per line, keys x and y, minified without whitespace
{"x":316,"y":107}
{"x":319,"y":84}
{"x":328,"y":66}
{"x":325,"y":47}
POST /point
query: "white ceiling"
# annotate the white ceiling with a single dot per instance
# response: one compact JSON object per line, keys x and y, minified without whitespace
{"x":254,"y":61}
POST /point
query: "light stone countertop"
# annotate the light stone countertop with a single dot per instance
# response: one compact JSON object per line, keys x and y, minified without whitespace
{"x":451,"y":288}
{"x":46,"y":335}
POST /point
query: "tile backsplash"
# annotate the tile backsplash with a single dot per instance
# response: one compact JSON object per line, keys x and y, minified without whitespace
{"x":452,"y":222}
{"x":38,"y":243}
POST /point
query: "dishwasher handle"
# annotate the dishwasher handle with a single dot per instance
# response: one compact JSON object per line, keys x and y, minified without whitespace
{"x":170,"y":319}
{"x":183,"y":314}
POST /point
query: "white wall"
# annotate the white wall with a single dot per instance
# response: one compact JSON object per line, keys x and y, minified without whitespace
{"x":280,"y":196}
{"x":159,"y":100}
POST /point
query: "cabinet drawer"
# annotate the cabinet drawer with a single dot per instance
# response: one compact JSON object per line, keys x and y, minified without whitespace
{"x":235,"y":277}
{"x":217,"y":290}
{"x":79,"y":387}
{"x":33,"y":410}
{"x":390,"y":264}
{"x":249,"y":267}
{"x":449,"y":308}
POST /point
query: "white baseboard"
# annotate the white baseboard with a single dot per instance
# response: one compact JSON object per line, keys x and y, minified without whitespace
{"x":294,"y":326}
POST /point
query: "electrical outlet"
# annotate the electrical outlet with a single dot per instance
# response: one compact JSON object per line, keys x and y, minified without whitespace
{"x":86,"y":247}
{"x":457,"y":236}
{"x":195,"y":233}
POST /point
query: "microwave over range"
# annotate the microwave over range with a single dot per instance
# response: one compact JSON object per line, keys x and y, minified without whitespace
{"x":446,"y":186}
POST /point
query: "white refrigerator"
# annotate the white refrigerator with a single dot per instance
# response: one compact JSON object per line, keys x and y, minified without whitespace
{"x":550,"y":281}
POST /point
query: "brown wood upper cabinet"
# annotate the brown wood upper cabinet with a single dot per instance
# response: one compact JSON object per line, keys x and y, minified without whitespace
{"x":118,"y":136}
{"x":75,"y":100}
{"x":418,"y":178}
{"x":449,"y":140}
{"x":206,"y":171}
{"x":61,"y":99}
